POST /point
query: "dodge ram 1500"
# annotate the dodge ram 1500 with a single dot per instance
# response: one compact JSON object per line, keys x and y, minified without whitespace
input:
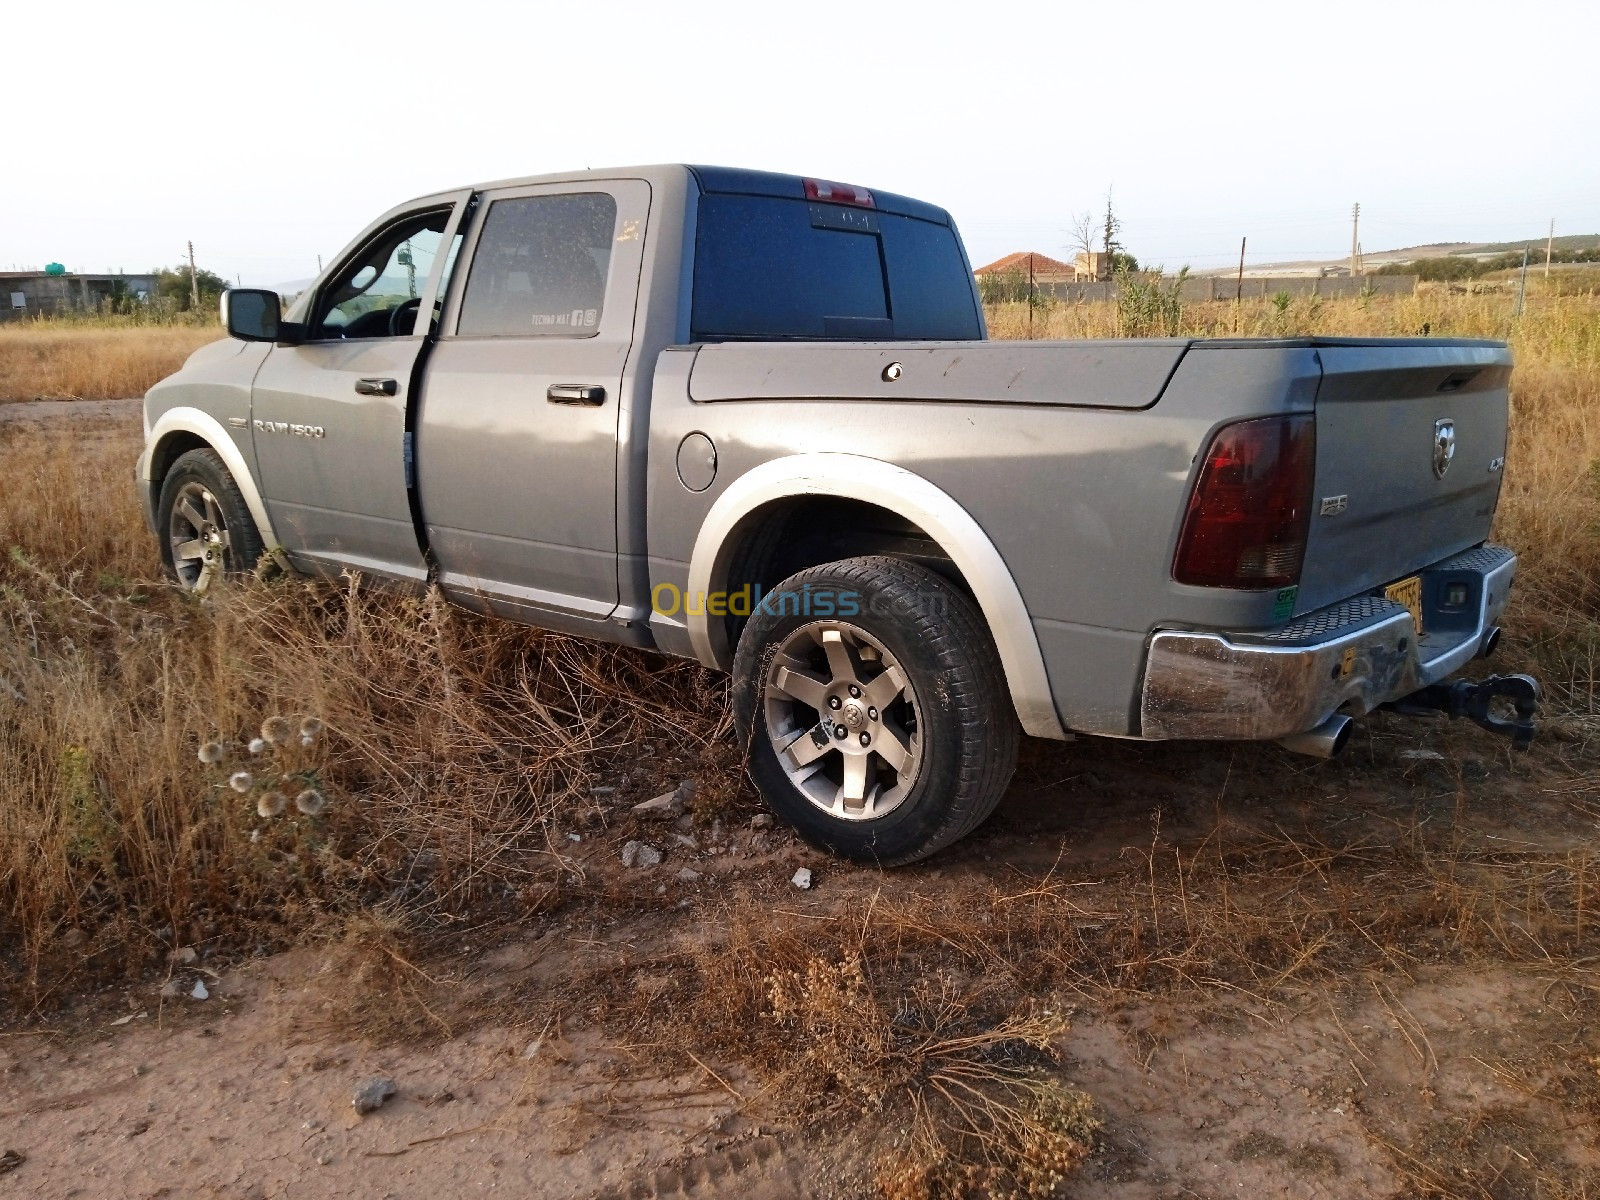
{"x":754,"y":419}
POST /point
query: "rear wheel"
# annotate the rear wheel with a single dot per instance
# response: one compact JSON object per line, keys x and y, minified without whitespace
{"x":873,"y":705}
{"x":205,"y":525}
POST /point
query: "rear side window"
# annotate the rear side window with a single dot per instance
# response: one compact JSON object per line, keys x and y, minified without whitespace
{"x":540,"y":267}
{"x":767,"y":267}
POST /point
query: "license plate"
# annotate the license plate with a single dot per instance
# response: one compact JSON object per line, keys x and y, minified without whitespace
{"x":1408,"y":592}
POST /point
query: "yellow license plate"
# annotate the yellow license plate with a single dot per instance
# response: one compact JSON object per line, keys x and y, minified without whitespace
{"x":1408,"y":592}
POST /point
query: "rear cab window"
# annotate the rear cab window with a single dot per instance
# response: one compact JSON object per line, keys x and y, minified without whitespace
{"x":770,"y":263}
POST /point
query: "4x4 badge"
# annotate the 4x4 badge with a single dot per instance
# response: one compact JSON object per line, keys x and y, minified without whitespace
{"x":1444,"y":445}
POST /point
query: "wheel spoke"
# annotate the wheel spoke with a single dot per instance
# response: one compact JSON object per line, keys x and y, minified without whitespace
{"x":802,"y":686}
{"x":885,"y":689}
{"x":191,"y":514}
{"x":892,"y":748}
{"x":841,"y":661}
{"x":213,"y":514}
{"x":190,"y":550}
{"x":804,"y":747}
{"x":854,"y":791}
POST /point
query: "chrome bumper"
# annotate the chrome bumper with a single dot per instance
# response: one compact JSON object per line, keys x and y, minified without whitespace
{"x":1350,"y":658}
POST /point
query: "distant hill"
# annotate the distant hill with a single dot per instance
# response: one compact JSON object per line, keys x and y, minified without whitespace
{"x":1567,"y":241}
{"x":1374,"y":259}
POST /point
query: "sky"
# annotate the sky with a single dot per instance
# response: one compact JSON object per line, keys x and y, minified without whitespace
{"x":270,"y":134}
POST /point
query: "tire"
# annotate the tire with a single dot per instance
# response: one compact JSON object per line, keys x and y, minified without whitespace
{"x":818,"y":657}
{"x":202,"y":510}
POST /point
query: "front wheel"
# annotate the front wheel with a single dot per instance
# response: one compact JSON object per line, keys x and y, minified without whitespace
{"x":204,"y":523}
{"x":874,"y":708}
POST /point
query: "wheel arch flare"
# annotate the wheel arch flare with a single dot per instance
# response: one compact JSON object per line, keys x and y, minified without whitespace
{"x":856,"y":477}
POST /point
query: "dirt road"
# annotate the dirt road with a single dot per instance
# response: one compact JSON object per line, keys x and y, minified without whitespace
{"x":32,"y":412}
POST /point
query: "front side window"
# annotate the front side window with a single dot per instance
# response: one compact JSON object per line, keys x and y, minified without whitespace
{"x":377,"y":293}
{"x":540,"y":267}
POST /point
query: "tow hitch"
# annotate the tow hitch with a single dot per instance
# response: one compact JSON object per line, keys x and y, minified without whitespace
{"x":1463,"y":698}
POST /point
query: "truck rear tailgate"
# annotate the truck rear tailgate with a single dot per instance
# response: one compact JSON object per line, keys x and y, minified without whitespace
{"x":1411,"y":442}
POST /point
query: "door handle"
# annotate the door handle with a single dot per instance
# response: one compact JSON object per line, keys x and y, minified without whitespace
{"x":588,"y":394}
{"x":377,"y":387}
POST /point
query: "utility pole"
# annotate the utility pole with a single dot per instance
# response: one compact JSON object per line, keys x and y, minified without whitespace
{"x":1030,"y":297}
{"x":1522,"y":283}
{"x":1355,"y":246}
{"x":1549,"y":245}
{"x":1238,"y":291}
{"x":194,"y":280}
{"x":319,"y":264}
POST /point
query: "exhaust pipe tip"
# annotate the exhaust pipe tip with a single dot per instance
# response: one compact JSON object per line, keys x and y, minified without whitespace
{"x":1490,"y":641}
{"x":1325,"y":741}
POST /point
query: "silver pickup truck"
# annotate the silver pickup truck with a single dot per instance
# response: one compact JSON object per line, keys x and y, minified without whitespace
{"x":754,"y":419}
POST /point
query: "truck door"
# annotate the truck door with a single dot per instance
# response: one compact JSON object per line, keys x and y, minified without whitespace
{"x":328,"y":416}
{"x":518,"y":421}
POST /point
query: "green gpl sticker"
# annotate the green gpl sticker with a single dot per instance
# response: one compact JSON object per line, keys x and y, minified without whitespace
{"x":1283,"y":604}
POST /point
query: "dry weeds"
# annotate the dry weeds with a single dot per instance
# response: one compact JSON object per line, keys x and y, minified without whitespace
{"x":50,"y":361}
{"x":455,"y":754}
{"x":449,"y":741}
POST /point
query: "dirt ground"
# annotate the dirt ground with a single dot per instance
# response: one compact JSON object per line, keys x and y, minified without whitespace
{"x":1463,"y":1077}
{"x":1373,"y":977}
{"x":35,"y":412}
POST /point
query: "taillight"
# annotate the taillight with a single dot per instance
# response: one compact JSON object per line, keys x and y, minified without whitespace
{"x":1248,"y":517}
{"x":838,"y":193}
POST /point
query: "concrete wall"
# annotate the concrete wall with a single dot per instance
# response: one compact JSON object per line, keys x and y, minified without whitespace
{"x":1216,"y":287}
{"x":50,"y":294}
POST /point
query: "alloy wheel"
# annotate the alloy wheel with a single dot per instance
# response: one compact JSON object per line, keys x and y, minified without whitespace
{"x":843,"y":719}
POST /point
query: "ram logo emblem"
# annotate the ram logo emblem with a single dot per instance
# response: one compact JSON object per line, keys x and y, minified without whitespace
{"x":1444,"y":445}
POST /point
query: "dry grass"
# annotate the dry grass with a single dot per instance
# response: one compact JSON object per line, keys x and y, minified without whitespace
{"x":457,"y":752}
{"x":449,"y":740}
{"x":934,"y":1005}
{"x":54,"y":361}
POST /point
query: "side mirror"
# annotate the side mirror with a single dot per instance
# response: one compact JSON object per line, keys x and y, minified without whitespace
{"x":252,"y":314}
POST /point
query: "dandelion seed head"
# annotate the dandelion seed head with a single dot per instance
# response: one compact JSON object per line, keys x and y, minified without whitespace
{"x":241,"y":781}
{"x":310,"y":727}
{"x":211,"y":752}
{"x":307,"y":740}
{"x":272,"y":804}
{"x":276,"y":729}
{"x":257,"y":745}
{"x":310,"y":802}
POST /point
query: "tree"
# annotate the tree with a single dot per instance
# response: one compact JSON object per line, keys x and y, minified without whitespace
{"x":1109,"y":230}
{"x":172,"y":286}
{"x":1095,"y":237}
{"x":1085,"y":228}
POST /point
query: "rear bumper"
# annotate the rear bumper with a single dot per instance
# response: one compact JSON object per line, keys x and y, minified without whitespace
{"x":1350,"y":658}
